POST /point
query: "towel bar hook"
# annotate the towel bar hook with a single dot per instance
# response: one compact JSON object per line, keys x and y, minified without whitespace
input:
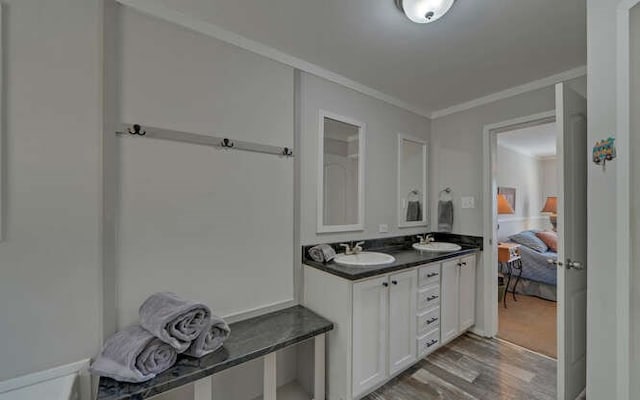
{"x":137,"y":130}
{"x":226,"y":143}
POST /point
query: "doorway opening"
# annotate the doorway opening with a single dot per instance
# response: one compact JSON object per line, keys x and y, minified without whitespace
{"x":566,"y":230}
{"x":527,"y":191}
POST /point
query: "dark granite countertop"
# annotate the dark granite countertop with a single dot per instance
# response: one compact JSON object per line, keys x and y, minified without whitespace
{"x":405,"y":258}
{"x":249,"y":339}
{"x":399,"y":247}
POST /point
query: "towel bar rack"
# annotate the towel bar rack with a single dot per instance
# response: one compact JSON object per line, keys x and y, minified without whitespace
{"x":195,"y":138}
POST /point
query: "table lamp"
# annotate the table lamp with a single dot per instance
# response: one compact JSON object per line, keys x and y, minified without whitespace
{"x":551,"y":208}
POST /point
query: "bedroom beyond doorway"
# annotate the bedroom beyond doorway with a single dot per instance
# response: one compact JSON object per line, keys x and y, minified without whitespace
{"x":526,"y":179}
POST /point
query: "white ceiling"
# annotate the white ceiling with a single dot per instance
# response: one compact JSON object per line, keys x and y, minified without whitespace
{"x":537,"y":141}
{"x":478,"y":48}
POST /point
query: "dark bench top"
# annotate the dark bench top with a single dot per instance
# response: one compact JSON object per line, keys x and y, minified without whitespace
{"x":249,"y":339}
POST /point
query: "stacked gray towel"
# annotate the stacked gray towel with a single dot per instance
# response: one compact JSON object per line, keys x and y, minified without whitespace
{"x":322,"y":253}
{"x":133,"y":355}
{"x":445,"y":216}
{"x":174,"y":320}
{"x":211,"y":339}
{"x":168,"y":325}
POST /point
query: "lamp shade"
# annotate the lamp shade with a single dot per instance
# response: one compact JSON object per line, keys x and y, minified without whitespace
{"x":551,"y":205}
{"x":503,"y":205}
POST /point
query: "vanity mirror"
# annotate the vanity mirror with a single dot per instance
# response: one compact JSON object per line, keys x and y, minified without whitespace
{"x":412,"y":182}
{"x":341,"y":174}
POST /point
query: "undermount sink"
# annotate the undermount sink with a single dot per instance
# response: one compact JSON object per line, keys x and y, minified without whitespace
{"x":438,"y":247}
{"x":364,"y":259}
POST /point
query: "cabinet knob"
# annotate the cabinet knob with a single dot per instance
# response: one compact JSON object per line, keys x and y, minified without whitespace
{"x":385,"y":284}
{"x":394,"y":282}
{"x":459,"y":264}
{"x":464,"y":264}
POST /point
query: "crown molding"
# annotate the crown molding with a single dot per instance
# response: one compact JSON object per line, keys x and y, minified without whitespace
{"x":152,"y":8}
{"x":514,"y":91}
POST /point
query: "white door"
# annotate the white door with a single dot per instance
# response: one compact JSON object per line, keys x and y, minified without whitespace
{"x":571,"y":114}
{"x":449,"y":306}
{"x":402,"y":320}
{"x":467,"y":292}
{"x":370,"y":311}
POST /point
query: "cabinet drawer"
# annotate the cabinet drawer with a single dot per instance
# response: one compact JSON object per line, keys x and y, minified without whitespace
{"x":428,"y":298}
{"x":428,"y":343}
{"x":428,"y":321}
{"x":429,"y":275}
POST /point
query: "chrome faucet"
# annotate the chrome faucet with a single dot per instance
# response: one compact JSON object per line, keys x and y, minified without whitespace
{"x":350,"y":249}
{"x":425,"y":239}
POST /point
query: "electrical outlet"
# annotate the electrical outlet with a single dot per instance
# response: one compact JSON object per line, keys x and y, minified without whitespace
{"x":383,"y":228}
{"x":468,"y":202}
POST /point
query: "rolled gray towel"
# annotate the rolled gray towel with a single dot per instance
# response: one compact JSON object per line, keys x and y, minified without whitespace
{"x":322,"y":253}
{"x":133,"y":355}
{"x":174,"y":320}
{"x":211,"y":339}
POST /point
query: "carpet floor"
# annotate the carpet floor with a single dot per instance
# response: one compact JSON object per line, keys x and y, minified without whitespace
{"x":529,"y":322}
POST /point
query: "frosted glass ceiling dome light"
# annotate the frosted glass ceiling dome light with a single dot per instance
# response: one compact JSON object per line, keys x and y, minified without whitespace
{"x":424,"y":11}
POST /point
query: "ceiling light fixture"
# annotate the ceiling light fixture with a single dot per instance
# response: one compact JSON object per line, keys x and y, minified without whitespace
{"x":424,"y":11}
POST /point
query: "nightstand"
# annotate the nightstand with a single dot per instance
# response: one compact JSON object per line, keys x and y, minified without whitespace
{"x":509,"y":260}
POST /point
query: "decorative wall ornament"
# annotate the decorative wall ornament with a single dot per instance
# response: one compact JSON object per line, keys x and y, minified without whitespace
{"x":603,"y":151}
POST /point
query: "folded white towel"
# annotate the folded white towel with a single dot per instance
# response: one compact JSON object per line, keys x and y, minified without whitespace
{"x":174,"y":320}
{"x":133,"y":355}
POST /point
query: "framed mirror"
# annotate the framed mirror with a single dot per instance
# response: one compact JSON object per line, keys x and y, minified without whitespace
{"x":412,"y":196}
{"x":341,"y":174}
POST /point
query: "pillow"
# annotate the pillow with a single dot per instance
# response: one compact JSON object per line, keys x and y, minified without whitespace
{"x":529,"y":239}
{"x":550,"y":239}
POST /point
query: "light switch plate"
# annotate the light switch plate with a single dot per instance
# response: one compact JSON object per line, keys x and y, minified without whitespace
{"x":383,"y":228}
{"x":468,"y":202}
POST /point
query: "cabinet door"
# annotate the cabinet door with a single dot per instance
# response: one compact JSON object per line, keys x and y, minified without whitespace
{"x":370,"y":321}
{"x":402,"y":320}
{"x":450,"y":300}
{"x":467,"y":292}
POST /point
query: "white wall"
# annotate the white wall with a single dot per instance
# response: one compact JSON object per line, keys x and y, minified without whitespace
{"x":457,"y":152}
{"x":208,"y":224}
{"x":50,"y":260}
{"x":602,"y":364}
{"x":383,"y":123}
{"x":635,"y":196}
{"x":526,"y":174}
{"x":549,"y":177}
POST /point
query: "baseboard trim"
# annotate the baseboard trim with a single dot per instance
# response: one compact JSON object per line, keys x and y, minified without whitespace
{"x":257,"y":311}
{"x":78,"y":367}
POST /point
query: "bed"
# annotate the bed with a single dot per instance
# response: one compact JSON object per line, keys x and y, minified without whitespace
{"x":539,"y":277}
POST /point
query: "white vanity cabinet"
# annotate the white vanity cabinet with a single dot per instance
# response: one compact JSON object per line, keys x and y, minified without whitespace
{"x":384,"y":327}
{"x":458,"y":296}
{"x":370,"y":325}
{"x":384,"y":324}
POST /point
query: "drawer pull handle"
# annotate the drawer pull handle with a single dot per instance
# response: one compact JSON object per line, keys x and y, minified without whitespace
{"x":432,"y":320}
{"x":431,"y":343}
{"x":432,"y":275}
{"x":430,"y":298}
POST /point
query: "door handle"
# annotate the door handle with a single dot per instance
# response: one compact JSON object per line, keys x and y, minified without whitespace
{"x":569,"y":264}
{"x":574,"y":264}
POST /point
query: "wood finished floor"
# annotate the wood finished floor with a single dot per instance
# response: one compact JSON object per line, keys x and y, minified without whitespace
{"x":474,"y":368}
